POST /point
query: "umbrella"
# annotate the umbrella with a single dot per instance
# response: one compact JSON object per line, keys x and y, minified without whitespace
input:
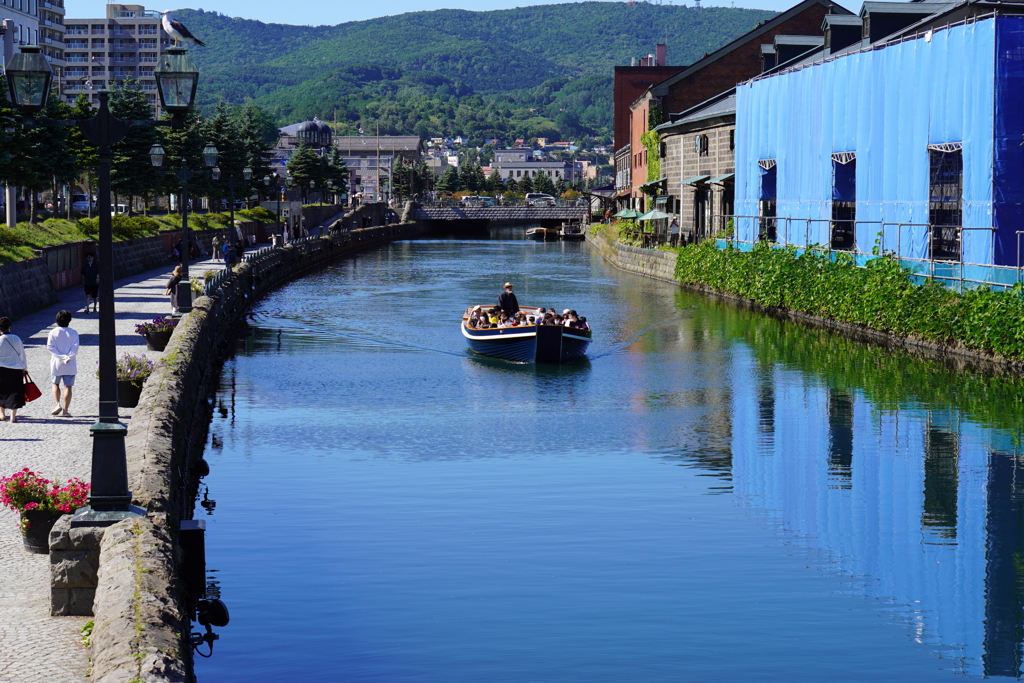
{"x":627,"y":213}
{"x":654,"y":215}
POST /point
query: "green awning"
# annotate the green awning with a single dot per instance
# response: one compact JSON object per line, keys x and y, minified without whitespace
{"x":627,"y":213}
{"x":722,"y":178}
{"x":654,"y":215}
{"x":655,"y":182}
{"x":696,"y":180}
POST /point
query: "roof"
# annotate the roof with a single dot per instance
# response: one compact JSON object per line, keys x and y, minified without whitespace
{"x":661,"y":89}
{"x":722,"y":104}
{"x":810,"y":41}
{"x":371,"y":143}
{"x":924,"y":8}
{"x":840,"y":20}
{"x":767,"y":49}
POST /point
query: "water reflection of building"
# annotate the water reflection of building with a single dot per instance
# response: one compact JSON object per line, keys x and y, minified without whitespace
{"x":922,"y":509}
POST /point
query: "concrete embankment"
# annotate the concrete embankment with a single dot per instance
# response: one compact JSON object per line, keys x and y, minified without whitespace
{"x":140,"y":608}
{"x":660,"y":264}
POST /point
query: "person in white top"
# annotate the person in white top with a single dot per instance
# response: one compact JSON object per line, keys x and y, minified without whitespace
{"x":62,"y":343}
{"x":13,"y":371}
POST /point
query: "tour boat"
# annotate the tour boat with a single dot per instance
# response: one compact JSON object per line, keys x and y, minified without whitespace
{"x":542,"y":234}
{"x":528,"y":343}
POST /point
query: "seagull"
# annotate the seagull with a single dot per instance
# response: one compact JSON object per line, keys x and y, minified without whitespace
{"x":175,"y":29}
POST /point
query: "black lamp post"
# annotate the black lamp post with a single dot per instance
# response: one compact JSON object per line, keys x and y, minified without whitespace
{"x":28,"y":79}
{"x":231,"y":184}
{"x":183,"y":174}
{"x":289,"y":181}
{"x":267,"y":184}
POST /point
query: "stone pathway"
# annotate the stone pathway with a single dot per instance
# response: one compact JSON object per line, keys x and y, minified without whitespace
{"x":35,"y":647}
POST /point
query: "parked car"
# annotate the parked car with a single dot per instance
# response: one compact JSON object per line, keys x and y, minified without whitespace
{"x":80,"y":202}
{"x":485,"y":201}
{"x":539,"y":199}
{"x":118,"y":209}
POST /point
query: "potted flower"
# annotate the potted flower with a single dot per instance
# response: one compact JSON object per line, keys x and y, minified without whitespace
{"x":157,"y":332}
{"x":40,"y":502}
{"x":132,"y":373}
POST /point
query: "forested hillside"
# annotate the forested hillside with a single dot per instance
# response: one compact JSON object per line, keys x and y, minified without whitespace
{"x":531,"y":71}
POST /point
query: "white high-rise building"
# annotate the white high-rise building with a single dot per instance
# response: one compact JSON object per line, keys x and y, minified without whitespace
{"x":100,"y":53}
{"x":34,"y":22}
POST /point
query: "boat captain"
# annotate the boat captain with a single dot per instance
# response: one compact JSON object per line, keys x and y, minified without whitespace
{"x":507,"y":301}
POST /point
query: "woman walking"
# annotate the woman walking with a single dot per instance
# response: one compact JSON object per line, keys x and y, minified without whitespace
{"x":13,"y":372}
{"x":172,"y":288}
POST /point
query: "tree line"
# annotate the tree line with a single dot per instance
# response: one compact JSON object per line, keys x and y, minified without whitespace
{"x":47,"y":154}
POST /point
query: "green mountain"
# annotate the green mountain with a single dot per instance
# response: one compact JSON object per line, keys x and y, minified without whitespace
{"x":530,"y":71}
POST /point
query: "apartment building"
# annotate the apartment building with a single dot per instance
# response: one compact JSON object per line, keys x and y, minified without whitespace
{"x":34,"y":22}
{"x":101,"y":53}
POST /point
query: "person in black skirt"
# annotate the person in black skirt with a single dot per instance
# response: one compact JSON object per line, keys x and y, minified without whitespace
{"x":13,"y":371}
{"x":172,"y":288}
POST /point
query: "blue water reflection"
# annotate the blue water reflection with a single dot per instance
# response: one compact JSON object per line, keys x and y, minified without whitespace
{"x":391,"y":508}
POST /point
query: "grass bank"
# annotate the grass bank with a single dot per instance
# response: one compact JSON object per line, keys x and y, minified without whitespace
{"x":879,"y":296}
{"x":21,"y":241}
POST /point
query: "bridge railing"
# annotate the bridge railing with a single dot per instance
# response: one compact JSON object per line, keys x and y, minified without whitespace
{"x":452,"y":203}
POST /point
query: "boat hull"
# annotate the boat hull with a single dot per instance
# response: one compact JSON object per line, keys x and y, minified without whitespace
{"x":536,"y":344}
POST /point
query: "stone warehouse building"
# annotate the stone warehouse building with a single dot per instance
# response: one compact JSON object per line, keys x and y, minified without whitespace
{"x":715,"y":73}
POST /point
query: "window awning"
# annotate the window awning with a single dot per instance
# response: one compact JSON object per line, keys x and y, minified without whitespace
{"x":722,"y":179}
{"x":844,"y":157}
{"x":655,"y":182}
{"x":766,"y":164}
{"x":696,"y":180}
{"x":947,"y":147}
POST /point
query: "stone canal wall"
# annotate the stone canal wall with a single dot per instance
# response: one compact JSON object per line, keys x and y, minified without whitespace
{"x":654,"y":263}
{"x":141,"y":610}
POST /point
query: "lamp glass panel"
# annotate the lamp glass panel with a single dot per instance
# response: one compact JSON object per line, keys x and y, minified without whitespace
{"x":29,"y":89}
{"x":176,"y":90}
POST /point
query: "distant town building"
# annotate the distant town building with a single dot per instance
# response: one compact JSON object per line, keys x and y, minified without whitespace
{"x":519,"y":163}
{"x":371,"y":160}
{"x":102,"y":53}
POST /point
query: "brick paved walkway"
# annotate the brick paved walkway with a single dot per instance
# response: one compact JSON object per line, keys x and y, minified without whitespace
{"x":35,"y":647}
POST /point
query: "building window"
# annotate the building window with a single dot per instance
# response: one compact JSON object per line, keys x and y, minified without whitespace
{"x":767,"y":207}
{"x":732,"y":139}
{"x":844,"y":200}
{"x":945,"y":200}
{"x":701,"y":145}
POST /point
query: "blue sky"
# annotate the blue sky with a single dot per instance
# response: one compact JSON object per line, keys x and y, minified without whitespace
{"x":320,"y":12}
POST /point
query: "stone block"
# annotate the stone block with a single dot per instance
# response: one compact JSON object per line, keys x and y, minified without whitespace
{"x":60,"y":534}
{"x":86,"y":538}
{"x":60,"y":602}
{"x":81,"y":602}
{"x":73,"y":568}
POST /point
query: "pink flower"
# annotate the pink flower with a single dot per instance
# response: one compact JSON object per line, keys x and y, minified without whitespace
{"x":31,"y":506}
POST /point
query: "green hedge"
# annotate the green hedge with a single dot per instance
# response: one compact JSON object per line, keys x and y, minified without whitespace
{"x":879,"y":295}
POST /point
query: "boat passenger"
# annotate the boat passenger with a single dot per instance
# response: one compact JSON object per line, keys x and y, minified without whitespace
{"x":530,"y":320}
{"x":583,"y":323}
{"x":492,"y":317}
{"x":471,"y":324}
{"x":507,"y":301}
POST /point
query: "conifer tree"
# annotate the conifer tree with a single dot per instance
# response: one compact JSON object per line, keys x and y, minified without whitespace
{"x":257,"y":134}
{"x":543,"y":183}
{"x":494,"y":183}
{"x":448,"y":181}
{"x":131,"y":171}
{"x":186,"y":143}
{"x":86,"y":154}
{"x":221,"y":131}
{"x":525,"y":183}
{"x":43,"y":160}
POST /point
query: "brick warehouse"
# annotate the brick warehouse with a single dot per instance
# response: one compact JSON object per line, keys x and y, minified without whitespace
{"x":715,"y":73}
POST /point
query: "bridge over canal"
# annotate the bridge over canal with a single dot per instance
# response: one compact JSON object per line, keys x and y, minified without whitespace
{"x":481,"y":216}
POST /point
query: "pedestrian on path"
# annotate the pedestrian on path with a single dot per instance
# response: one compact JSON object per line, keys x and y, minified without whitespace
{"x":91,"y":281}
{"x":13,"y":371}
{"x":216,"y":247}
{"x":172,"y":288}
{"x":62,"y":343}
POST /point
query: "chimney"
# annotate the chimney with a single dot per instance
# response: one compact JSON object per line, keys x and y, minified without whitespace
{"x":661,"y":50}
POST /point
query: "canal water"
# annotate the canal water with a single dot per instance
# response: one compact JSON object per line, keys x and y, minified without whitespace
{"x":713,"y":496}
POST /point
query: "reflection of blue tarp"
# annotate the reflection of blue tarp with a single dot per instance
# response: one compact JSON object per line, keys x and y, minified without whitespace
{"x":844,"y":183}
{"x":767,"y":183}
{"x":888,"y":105}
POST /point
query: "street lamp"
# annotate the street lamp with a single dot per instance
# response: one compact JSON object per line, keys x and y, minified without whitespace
{"x":277,"y":191}
{"x":28,"y":79}
{"x":230,"y":184}
{"x":156,"y":157}
{"x":176,"y":80}
{"x":109,"y":497}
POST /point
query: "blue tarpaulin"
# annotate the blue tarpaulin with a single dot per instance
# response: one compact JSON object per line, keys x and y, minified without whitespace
{"x":887,"y":106}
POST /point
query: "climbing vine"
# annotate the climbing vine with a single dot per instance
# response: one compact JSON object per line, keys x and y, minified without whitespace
{"x":651,"y":141}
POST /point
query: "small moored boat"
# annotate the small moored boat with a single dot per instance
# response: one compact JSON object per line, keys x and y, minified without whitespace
{"x":572,"y":231}
{"x":542,"y":234}
{"x":528,"y":343}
